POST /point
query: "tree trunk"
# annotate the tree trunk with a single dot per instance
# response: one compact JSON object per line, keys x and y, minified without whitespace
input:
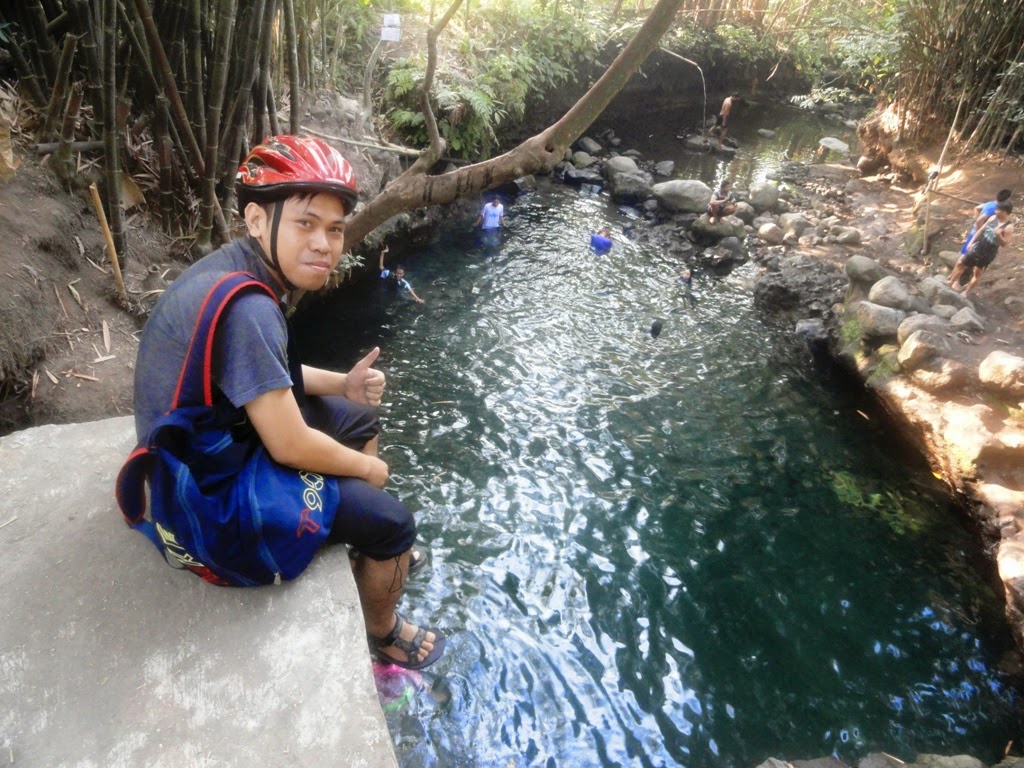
{"x":414,"y":189}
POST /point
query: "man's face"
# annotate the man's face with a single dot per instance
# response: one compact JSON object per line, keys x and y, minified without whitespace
{"x":399,"y":273}
{"x":310,"y":238}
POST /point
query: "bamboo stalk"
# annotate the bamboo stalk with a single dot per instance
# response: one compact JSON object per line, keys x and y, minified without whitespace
{"x":218,"y":83}
{"x":61,"y":161}
{"x":292,"y":54}
{"x":112,"y":159}
{"x":37,"y":18}
{"x":115,"y":265}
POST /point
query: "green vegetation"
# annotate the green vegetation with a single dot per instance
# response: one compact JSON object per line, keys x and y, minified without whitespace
{"x":887,"y":506}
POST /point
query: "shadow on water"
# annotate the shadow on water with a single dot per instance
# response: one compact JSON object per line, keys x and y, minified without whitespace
{"x":688,"y":550}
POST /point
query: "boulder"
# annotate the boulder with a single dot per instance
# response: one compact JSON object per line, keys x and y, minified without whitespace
{"x":764,"y":133}
{"x":812,"y":329}
{"x":967,"y":320}
{"x":686,"y":195}
{"x":629,"y":188}
{"x":707,"y":232}
{"x":771,"y":234}
{"x":526,"y":183}
{"x":937,"y":292}
{"x":847,"y":236}
{"x":921,"y":348}
{"x":878,"y":322}
{"x":582,"y":160}
{"x":944,"y":311}
{"x":793,"y":222}
{"x":879,"y":760}
{"x":763,"y":195}
{"x":745,"y":212}
{"x":861,"y":269}
{"x":590,"y":146}
{"x":890,"y":292}
{"x":949,"y":258}
{"x":620,"y":164}
{"x":920,"y":323}
{"x":1004,"y":373}
{"x":578,"y":178}
{"x":834,"y":144}
{"x":941,"y":375}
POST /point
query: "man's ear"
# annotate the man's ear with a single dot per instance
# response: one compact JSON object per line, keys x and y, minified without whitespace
{"x":256,"y":220}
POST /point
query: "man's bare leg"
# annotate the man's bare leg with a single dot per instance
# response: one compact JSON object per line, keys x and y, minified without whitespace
{"x":380,"y":584}
{"x":974,"y":280}
{"x":370,"y":449}
{"x":954,"y":277}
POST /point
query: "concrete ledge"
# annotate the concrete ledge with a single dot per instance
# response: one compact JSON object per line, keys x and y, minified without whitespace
{"x":108,"y":657}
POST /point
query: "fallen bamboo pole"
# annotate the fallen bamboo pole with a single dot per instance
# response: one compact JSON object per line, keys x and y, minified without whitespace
{"x":111,"y":250}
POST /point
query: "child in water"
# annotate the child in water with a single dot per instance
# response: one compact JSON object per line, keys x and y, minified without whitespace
{"x":395,"y":280}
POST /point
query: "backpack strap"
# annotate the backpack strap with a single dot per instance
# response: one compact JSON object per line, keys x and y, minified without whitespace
{"x":195,"y":387}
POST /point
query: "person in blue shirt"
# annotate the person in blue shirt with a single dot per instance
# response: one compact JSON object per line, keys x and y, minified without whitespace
{"x":492,"y":216}
{"x":395,"y":280}
{"x":601,"y":241}
{"x":983,"y":212}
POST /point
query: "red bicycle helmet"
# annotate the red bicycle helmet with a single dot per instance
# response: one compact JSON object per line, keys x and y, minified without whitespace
{"x":283,"y":166}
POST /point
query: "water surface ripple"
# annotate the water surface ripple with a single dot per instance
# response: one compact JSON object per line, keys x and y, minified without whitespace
{"x":689,"y":550}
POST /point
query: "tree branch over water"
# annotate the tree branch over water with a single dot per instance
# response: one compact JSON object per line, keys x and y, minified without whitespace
{"x":416,"y":188}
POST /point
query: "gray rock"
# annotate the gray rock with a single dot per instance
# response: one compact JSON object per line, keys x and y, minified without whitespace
{"x":944,"y":311}
{"x":820,"y":762}
{"x":590,"y":146}
{"x":941,"y":375}
{"x":764,"y":133}
{"x":620,"y":164}
{"x":772,"y":762}
{"x":848,"y":236}
{"x":937,"y":292}
{"x":763,"y":195}
{"x":878,"y":322}
{"x":527,"y":183}
{"x":1003,"y":372}
{"x":890,"y":292}
{"x":771,"y":234}
{"x":834,"y":144}
{"x":967,"y":320}
{"x":861,"y":269}
{"x":921,"y":348}
{"x":920,"y":323}
{"x":629,"y":188}
{"x":664,"y":168}
{"x":730,"y":226}
{"x":954,"y":761}
{"x":687,"y":195}
{"x":793,"y":222}
{"x":949,"y":258}
{"x":745,"y":212}
{"x":577,"y":177}
{"x":813,"y":330}
{"x":582,"y":160}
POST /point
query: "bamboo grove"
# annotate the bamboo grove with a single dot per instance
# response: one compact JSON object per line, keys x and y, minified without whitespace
{"x":179,"y":89}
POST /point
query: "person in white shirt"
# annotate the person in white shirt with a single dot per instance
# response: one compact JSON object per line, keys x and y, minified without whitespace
{"x":492,"y":216}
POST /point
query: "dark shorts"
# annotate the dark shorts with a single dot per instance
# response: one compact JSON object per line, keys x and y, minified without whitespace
{"x":979,"y":257}
{"x":721,"y":120}
{"x":369,"y":519}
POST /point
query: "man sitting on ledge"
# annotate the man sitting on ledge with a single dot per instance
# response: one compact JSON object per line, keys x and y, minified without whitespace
{"x":295,"y":194}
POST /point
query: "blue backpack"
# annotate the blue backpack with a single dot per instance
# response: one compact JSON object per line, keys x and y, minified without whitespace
{"x":220,"y":506}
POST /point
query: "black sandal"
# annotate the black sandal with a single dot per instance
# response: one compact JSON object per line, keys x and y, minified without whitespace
{"x":411,"y":648}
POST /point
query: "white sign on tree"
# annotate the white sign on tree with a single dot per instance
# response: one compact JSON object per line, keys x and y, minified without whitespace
{"x":391,"y":30}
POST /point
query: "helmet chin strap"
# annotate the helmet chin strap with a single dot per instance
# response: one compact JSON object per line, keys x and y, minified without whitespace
{"x":275,"y":263}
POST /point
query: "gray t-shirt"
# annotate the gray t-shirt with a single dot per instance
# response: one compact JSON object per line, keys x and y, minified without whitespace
{"x":250,"y":356}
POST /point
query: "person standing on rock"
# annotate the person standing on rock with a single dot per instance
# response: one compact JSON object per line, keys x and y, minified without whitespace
{"x":721,"y":125}
{"x":983,"y":212}
{"x":316,"y":425}
{"x":991,"y":235}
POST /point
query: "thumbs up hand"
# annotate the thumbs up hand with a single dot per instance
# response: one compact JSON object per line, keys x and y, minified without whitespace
{"x":363,"y":383}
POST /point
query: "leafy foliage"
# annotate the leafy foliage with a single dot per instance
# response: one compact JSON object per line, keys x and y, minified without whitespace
{"x":516,"y":50}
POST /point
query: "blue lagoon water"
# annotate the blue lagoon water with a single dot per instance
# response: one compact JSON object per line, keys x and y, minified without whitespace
{"x":700,"y":549}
